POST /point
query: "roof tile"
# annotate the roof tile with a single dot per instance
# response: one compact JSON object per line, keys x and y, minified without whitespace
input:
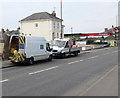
{"x":38,"y":16}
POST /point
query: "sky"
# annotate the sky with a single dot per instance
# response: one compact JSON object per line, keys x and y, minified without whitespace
{"x":81,"y":15}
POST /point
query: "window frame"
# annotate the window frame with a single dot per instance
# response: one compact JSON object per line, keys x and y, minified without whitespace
{"x":36,"y":25}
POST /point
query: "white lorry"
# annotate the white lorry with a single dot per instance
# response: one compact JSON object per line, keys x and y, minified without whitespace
{"x":63,"y":47}
{"x":29,"y":48}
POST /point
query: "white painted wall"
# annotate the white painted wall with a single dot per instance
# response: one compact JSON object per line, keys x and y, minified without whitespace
{"x":45,"y":28}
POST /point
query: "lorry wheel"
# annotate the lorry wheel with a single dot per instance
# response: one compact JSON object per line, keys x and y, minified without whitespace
{"x":63,"y":56}
{"x":31,"y":61}
{"x":50,"y":58}
{"x":76,"y":54}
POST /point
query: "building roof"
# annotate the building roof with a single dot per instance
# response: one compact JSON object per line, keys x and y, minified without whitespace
{"x":39,"y":16}
{"x":13,"y":32}
{"x":111,"y":37}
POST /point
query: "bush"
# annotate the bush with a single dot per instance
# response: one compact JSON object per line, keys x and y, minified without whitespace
{"x":90,"y":41}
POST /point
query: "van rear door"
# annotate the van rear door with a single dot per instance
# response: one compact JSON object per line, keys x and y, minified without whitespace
{"x":14,"y":44}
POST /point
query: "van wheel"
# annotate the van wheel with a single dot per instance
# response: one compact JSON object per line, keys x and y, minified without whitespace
{"x":50,"y":58}
{"x":31,"y":61}
{"x":76,"y":54}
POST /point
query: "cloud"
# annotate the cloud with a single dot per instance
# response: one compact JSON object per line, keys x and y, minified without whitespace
{"x":82,"y":16}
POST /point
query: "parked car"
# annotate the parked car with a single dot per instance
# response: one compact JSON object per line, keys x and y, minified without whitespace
{"x":106,"y":44}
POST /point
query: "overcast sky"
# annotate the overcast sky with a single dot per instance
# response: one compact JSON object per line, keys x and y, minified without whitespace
{"x":82,"y":16}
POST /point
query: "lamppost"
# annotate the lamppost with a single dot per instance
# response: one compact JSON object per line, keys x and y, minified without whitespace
{"x":72,"y":31}
{"x":61,"y":18}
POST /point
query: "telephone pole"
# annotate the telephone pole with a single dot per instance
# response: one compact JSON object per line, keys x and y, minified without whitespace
{"x":72,"y":31}
{"x":116,"y":21}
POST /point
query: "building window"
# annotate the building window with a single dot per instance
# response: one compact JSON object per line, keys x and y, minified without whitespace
{"x":54,"y":25}
{"x":53,"y":36}
{"x":36,"y":25}
{"x":57,"y":35}
{"x":58,"y":25}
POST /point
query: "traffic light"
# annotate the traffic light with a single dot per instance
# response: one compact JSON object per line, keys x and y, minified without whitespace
{"x":117,"y":34}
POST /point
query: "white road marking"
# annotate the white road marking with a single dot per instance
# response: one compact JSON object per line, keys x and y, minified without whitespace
{"x":105,"y":54}
{"x":81,"y":60}
{"x":114,"y":51}
{"x":92,"y":57}
{"x":101,"y":78}
{"x":73,"y":62}
{"x":43,"y":70}
{"x":109,"y":53}
{"x":4,"y":80}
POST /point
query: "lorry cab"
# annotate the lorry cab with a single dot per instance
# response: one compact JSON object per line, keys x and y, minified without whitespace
{"x":29,"y":48}
{"x":63,"y":47}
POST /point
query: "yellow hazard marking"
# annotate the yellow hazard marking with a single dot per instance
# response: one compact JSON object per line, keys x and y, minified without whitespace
{"x":22,"y":57}
{"x":18,"y":58}
{"x":22,"y":39}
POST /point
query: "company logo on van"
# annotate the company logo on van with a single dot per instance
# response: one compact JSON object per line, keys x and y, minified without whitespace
{"x":21,"y":46}
{"x":41,"y":46}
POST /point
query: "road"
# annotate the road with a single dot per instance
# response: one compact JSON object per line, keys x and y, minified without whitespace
{"x":89,"y":74}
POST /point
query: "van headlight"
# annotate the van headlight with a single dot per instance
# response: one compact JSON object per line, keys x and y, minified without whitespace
{"x":60,"y":51}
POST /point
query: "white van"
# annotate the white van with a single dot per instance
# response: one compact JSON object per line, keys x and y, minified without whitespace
{"x":29,"y":48}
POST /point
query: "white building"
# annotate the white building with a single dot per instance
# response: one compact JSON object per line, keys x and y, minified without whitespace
{"x":42,"y":24}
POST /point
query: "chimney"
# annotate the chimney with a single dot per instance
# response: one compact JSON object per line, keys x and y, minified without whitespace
{"x":53,"y":14}
{"x":112,"y":26}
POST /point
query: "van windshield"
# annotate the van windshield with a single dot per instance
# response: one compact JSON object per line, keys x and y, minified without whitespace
{"x":58,"y":43}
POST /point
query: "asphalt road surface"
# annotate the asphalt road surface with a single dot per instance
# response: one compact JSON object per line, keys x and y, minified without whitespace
{"x":93,"y":73}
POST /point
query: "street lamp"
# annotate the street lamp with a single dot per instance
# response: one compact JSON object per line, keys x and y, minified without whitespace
{"x":72,"y":31}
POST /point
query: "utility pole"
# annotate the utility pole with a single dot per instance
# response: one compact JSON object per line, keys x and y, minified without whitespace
{"x":116,"y":21}
{"x":72,"y":31}
{"x":61,"y":18}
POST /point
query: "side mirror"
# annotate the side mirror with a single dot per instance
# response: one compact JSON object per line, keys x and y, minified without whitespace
{"x":67,"y":46}
{"x":49,"y":49}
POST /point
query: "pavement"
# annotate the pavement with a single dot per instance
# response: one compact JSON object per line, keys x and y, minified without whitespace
{"x":5,"y":64}
{"x":106,"y":82}
{"x":89,"y":74}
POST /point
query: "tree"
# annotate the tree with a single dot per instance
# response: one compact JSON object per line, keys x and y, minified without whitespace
{"x":3,"y":31}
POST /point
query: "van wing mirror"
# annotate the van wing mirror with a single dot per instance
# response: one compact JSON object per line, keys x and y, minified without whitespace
{"x":49,"y":49}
